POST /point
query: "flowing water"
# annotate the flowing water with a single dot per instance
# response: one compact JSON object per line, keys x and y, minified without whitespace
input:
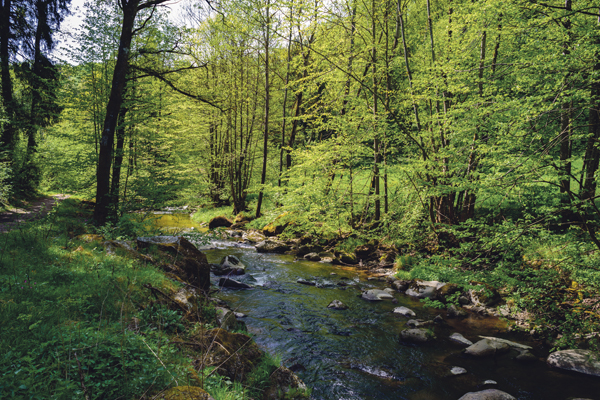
{"x":355,"y":353}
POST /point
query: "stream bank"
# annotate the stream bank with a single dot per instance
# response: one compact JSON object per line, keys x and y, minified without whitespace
{"x":356,"y":353}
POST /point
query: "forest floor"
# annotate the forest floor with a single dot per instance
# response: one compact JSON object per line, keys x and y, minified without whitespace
{"x":34,"y":209}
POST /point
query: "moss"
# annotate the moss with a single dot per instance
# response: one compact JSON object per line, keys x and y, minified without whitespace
{"x":184,"y":393}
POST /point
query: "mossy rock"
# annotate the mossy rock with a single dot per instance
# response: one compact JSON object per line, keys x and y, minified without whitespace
{"x":234,"y":354}
{"x":273,"y":230}
{"x":186,"y":260}
{"x":220,"y":221}
{"x":446,"y":291}
{"x":345,"y":258}
{"x":277,"y":226}
{"x":184,"y":393}
{"x":284,"y":384}
{"x":488,"y":296}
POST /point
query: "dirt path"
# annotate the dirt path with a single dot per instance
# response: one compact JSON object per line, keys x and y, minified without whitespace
{"x":35,"y":209}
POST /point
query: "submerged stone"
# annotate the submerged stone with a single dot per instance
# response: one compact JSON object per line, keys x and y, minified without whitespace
{"x":486,"y":347}
{"x":337,"y":305}
{"x":417,"y":335}
{"x":488,"y":394}
{"x":376,"y":295}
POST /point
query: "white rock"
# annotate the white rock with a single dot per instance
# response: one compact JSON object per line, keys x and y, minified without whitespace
{"x":405,"y":311}
{"x":458,"y":371}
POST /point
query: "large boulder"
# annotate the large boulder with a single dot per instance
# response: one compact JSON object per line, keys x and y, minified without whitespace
{"x":423,"y":289}
{"x":488,"y":394}
{"x":190,"y":262}
{"x":272,"y":246}
{"x":253,"y":236}
{"x":486,"y":347}
{"x":578,"y":360}
{"x":184,"y":393}
{"x":284,"y":384}
{"x":417,"y":335}
{"x":235,"y":355}
{"x":218,"y":222}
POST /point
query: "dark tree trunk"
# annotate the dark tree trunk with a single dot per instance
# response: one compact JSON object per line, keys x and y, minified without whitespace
{"x":8,"y":133}
{"x":103,"y":197}
{"x":116,"y":173}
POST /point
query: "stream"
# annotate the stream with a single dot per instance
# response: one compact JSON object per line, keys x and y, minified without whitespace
{"x":356,"y":354}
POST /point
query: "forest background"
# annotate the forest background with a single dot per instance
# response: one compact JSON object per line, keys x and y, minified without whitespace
{"x":464,"y":135}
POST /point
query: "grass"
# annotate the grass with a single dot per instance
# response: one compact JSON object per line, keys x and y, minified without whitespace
{"x":205,"y":214}
{"x":66,"y":306}
{"x":77,"y":322}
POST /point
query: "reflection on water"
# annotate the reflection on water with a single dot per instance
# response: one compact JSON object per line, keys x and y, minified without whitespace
{"x":175,"y":223}
{"x":355,"y":353}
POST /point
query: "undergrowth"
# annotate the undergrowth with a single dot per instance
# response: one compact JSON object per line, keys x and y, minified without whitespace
{"x":77,"y":321}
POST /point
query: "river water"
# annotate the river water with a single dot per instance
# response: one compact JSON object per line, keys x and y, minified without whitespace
{"x":356,"y":354}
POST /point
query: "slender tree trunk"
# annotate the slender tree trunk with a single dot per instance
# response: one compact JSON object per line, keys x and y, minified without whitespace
{"x":285,"y":96}
{"x":263,"y":176}
{"x":565,"y":139}
{"x":116,"y":173}
{"x":376,"y":144}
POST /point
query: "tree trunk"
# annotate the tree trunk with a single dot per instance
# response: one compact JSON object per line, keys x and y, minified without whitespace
{"x":263,"y":176}
{"x":103,"y":198}
{"x":8,"y":134}
{"x":116,"y":174}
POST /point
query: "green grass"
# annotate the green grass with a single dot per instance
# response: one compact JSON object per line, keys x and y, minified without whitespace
{"x":65,"y":308}
{"x":205,"y":214}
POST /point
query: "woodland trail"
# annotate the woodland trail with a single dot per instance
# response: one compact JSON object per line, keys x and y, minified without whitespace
{"x":35,"y":209}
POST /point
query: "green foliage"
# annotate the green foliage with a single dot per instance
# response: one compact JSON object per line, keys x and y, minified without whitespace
{"x":159,"y":317}
{"x":129,"y":226}
{"x":220,"y":387}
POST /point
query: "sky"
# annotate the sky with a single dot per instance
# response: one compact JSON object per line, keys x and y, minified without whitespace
{"x":72,"y":24}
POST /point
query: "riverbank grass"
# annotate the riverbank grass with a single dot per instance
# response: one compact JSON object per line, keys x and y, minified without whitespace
{"x":77,"y":321}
